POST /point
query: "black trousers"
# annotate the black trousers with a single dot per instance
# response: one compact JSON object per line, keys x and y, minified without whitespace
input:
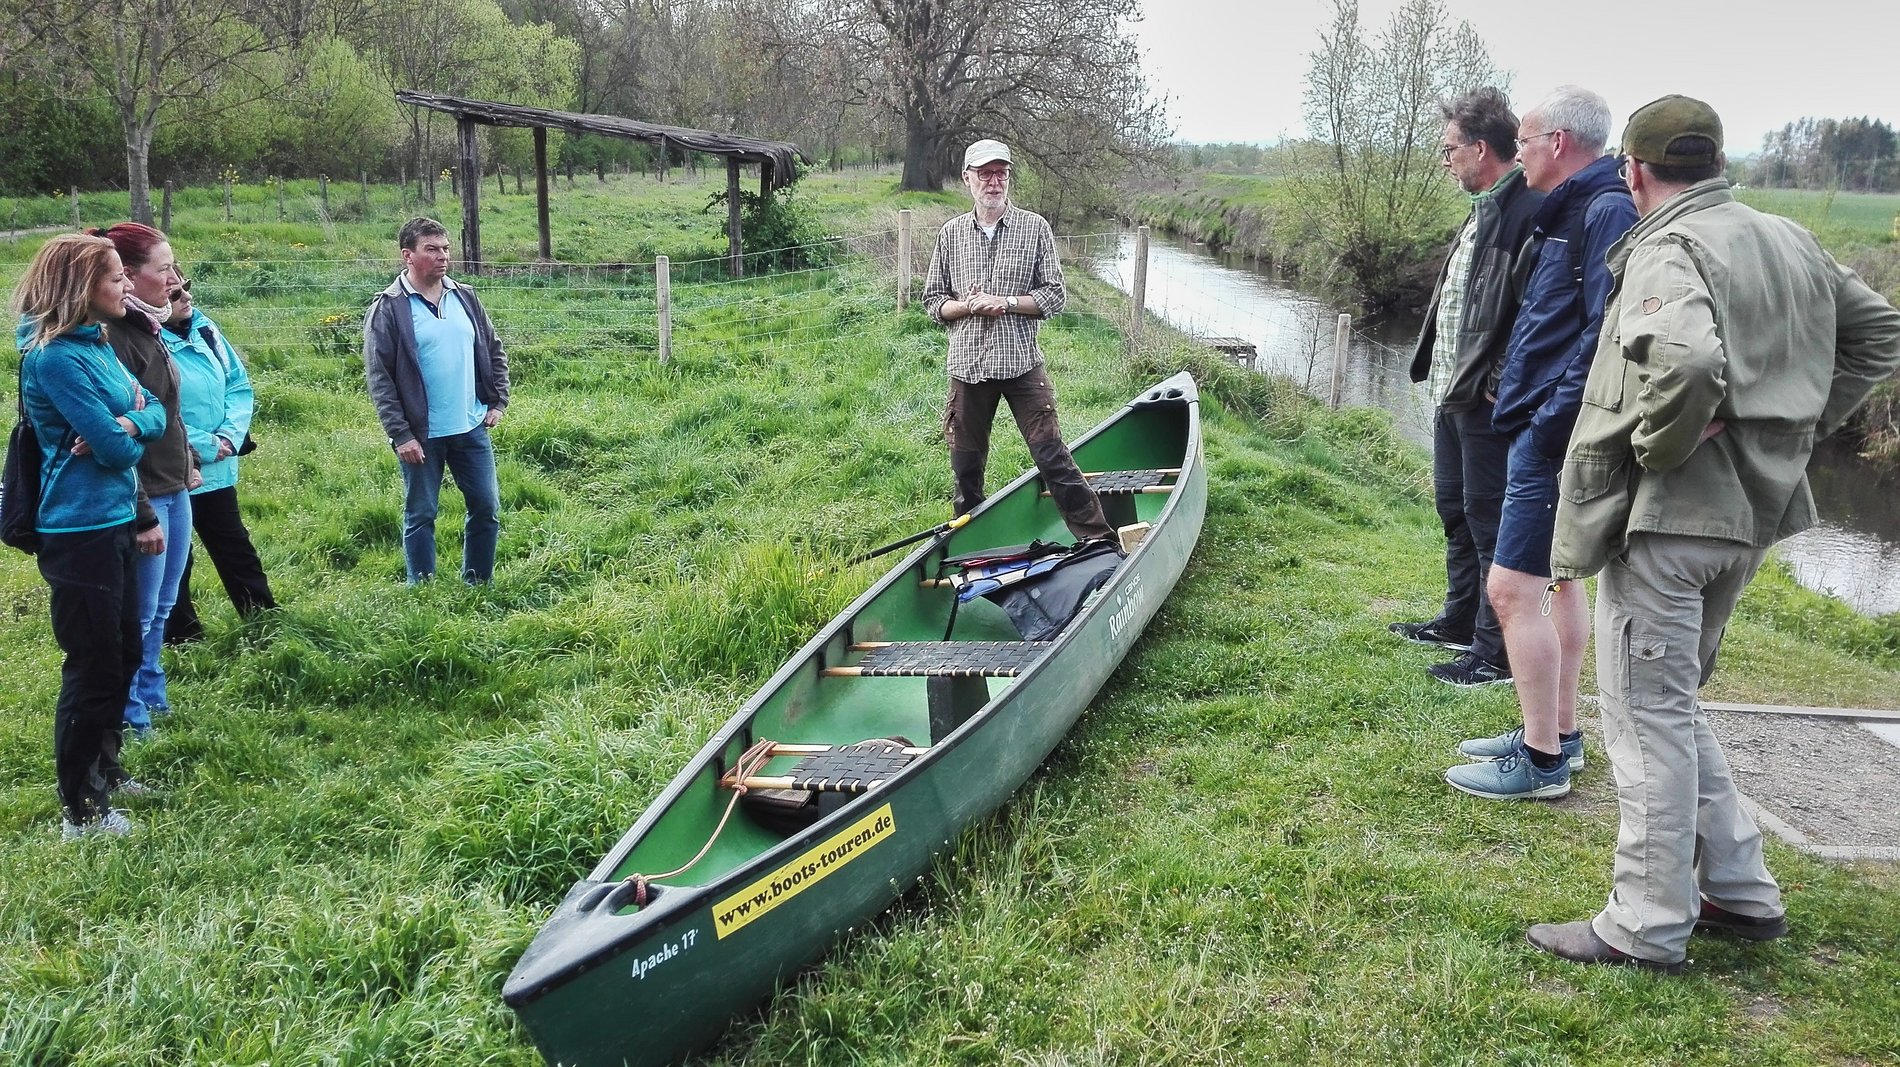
{"x":217,"y":522}
{"x":95,"y":600}
{"x":1468,"y":465}
{"x":970,"y":413}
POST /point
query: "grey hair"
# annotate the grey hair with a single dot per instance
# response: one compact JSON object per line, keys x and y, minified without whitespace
{"x":1580,"y":111}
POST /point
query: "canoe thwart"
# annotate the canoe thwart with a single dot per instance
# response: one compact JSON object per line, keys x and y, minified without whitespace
{"x":955,"y":659}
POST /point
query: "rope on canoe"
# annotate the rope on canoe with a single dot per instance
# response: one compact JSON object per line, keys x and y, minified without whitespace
{"x":749,"y":764}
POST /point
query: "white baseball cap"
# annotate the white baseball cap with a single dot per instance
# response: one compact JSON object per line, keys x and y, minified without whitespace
{"x":986,"y":151}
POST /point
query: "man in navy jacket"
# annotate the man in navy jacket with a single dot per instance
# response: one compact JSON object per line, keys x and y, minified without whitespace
{"x":1546,"y":626}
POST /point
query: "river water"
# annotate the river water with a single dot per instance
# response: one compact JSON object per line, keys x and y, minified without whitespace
{"x":1854,"y":554}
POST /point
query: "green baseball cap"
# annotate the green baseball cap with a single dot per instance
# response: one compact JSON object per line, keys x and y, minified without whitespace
{"x":1675,"y":131}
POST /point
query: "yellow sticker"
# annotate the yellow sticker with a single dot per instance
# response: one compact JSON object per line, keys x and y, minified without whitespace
{"x":755,"y":900}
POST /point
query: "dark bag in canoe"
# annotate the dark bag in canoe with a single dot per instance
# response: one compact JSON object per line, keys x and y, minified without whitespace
{"x":1042,"y":604}
{"x":20,"y":485}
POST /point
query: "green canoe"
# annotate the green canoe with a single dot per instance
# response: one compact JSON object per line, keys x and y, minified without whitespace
{"x":637,"y":967}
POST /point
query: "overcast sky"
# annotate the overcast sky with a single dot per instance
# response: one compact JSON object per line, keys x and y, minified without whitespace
{"x":1234,"y":70}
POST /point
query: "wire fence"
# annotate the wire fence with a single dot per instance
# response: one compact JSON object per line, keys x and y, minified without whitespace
{"x":562,"y":316}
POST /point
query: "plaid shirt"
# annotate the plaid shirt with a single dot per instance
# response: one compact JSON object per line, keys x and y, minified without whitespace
{"x":1019,"y":260}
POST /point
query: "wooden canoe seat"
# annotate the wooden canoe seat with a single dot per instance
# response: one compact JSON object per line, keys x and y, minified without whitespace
{"x":1130,"y":483}
{"x":855,"y":768}
{"x":942,"y":659}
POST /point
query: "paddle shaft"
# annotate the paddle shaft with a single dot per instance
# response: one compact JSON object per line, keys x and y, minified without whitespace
{"x":940,"y":528}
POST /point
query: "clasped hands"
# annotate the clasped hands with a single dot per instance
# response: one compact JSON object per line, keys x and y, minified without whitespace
{"x":987,"y":304}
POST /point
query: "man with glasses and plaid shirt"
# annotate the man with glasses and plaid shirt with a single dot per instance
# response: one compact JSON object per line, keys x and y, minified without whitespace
{"x":1460,"y":350}
{"x":993,"y":278}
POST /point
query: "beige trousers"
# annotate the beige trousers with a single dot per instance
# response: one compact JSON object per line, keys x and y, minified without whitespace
{"x":1661,"y":611}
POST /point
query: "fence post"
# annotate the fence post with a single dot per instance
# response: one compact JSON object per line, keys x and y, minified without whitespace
{"x":362,"y":176}
{"x":75,"y":193}
{"x":1341,"y":334}
{"x":165,"y":208}
{"x":227,"y":196}
{"x":903,"y":259}
{"x":323,"y":193}
{"x":1139,"y":291}
{"x":663,"y":296}
{"x":281,"y":214}
{"x":13,"y":228}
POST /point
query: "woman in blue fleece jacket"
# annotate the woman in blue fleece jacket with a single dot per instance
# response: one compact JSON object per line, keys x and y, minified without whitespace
{"x":90,"y":416}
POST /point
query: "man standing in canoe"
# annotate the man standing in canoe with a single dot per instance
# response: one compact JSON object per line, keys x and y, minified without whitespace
{"x":993,"y":279}
{"x":1731,"y":344}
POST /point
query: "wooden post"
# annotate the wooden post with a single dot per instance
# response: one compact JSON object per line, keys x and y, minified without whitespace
{"x":662,"y":159}
{"x":541,"y":190}
{"x":735,"y":246}
{"x":362,"y":177}
{"x":663,"y":296}
{"x":1342,"y":333}
{"x":74,"y":189}
{"x":165,"y":208}
{"x":765,"y":179}
{"x":501,"y":178}
{"x":227,"y":197}
{"x":903,"y":259}
{"x":323,"y":193}
{"x":13,"y":227}
{"x":471,"y":198}
{"x":1139,"y":291}
{"x":280,"y":198}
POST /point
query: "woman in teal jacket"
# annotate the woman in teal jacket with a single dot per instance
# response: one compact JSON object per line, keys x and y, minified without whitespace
{"x":91,"y":417}
{"x":216,"y":402}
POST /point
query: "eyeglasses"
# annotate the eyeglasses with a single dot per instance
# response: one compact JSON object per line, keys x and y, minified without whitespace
{"x":996,"y":177}
{"x":1522,"y":141}
{"x":183,"y":288}
{"x":1623,"y":168}
{"x":1445,"y":150}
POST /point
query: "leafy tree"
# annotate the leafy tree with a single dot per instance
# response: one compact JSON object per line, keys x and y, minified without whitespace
{"x":1815,"y":153}
{"x":1373,"y":185}
{"x":146,"y":56}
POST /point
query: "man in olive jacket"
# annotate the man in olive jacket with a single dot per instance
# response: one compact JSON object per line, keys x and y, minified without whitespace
{"x":1731,"y":343}
{"x":1460,"y":350}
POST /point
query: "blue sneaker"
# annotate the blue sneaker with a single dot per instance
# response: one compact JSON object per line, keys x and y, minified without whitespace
{"x":1490,"y":748}
{"x":1512,"y":777}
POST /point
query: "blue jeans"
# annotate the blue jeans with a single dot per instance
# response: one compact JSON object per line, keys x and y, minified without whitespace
{"x":158,"y":591}
{"x":471,"y":458}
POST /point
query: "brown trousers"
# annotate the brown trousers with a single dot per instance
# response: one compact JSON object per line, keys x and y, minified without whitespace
{"x":970,"y":413}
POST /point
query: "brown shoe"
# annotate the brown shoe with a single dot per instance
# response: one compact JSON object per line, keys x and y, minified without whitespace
{"x":1579,"y":943}
{"x":1747,"y":927}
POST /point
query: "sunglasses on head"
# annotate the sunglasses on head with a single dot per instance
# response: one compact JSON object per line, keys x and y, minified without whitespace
{"x":182,"y":289}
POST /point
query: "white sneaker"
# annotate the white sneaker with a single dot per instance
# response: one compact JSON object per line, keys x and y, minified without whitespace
{"x":112,"y":824}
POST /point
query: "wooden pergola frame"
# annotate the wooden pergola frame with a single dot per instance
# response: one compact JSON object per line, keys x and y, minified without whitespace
{"x":777,"y":160}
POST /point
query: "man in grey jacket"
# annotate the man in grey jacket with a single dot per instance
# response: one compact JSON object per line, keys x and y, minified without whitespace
{"x":1460,"y":350}
{"x":439,"y":380}
{"x":1732,"y":342}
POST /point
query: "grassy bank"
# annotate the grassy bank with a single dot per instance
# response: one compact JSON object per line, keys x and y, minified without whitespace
{"x":1243,"y":854}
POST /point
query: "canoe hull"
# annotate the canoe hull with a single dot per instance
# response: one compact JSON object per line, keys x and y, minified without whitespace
{"x":600,"y":987}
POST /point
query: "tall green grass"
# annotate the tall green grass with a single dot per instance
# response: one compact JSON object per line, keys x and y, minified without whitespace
{"x":1243,"y":854}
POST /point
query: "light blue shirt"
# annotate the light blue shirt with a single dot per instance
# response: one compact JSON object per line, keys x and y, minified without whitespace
{"x":445,"y":346}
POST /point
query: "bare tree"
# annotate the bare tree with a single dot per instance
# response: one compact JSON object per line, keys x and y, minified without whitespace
{"x":1060,"y":79}
{"x":1376,"y":193}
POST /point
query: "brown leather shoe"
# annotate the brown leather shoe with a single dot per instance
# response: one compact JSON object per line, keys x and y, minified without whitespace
{"x":1748,"y":927}
{"x":1579,"y":943}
